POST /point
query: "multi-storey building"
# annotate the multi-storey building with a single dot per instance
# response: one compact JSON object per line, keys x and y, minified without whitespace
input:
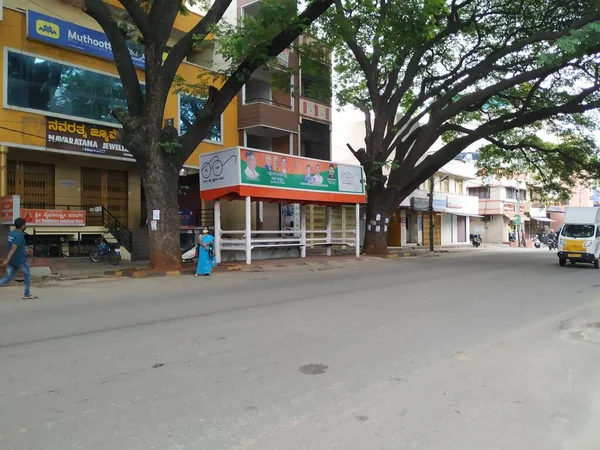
{"x":453,"y":208}
{"x":57,"y":136}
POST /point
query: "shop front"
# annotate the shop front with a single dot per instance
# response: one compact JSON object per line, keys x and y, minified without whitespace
{"x":497,"y":220}
{"x":59,"y":140}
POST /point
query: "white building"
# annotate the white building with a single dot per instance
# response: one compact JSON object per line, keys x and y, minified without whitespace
{"x":453,"y":210}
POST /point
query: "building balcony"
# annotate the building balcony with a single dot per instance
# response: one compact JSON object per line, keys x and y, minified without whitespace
{"x":314,"y":110}
{"x":259,"y":112}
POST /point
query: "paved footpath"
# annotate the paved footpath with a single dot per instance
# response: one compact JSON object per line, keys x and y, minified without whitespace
{"x":466,"y":351}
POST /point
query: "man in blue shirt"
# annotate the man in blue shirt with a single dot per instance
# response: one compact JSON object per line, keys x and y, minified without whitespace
{"x":17,"y":257}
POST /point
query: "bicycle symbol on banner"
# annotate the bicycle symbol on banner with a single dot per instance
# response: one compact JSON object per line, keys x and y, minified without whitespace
{"x":348,"y":177}
{"x":214,"y":167}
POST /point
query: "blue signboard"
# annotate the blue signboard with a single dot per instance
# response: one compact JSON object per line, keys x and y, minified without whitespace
{"x":439,"y":204}
{"x":186,"y":218}
{"x":73,"y":37}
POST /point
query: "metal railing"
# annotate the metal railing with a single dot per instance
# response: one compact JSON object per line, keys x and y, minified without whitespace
{"x":267,"y":101}
{"x":95,"y":216}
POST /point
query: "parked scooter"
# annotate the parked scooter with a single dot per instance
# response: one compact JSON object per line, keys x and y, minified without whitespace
{"x":552,"y":242}
{"x":536,"y":242}
{"x":189,"y":253}
{"x":475,"y":240}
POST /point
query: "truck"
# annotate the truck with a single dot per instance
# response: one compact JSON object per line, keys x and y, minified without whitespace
{"x":579,"y":239}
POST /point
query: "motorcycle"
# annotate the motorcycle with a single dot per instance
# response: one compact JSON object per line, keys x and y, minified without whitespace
{"x":536,"y":242}
{"x":552,"y":242}
{"x":475,"y":240}
{"x":189,"y":253}
{"x":104,"y":248}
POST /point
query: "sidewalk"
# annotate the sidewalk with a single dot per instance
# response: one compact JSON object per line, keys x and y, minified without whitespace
{"x":67,"y":269}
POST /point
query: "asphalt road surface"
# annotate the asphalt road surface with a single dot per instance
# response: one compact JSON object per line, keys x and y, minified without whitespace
{"x":470,"y":351}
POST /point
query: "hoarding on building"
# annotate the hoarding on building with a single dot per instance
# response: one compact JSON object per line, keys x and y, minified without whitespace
{"x":293,"y":172}
{"x":84,"y":138}
{"x":263,"y":174}
{"x":61,"y":33}
{"x":53,"y":217}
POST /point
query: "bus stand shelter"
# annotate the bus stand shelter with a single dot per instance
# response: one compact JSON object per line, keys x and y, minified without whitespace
{"x":248,"y":175}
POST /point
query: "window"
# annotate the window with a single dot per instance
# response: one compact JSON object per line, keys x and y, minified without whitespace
{"x":578,"y":231}
{"x":445,"y":185}
{"x":315,"y":82}
{"x":189,"y":106}
{"x":60,"y":89}
{"x":458,"y":186}
{"x":481,"y":192}
{"x":427,"y":184}
{"x":515,"y":194}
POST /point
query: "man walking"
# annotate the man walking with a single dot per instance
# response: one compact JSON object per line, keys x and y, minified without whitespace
{"x":17,"y":257}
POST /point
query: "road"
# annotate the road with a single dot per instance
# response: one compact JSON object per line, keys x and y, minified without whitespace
{"x":471,"y":351}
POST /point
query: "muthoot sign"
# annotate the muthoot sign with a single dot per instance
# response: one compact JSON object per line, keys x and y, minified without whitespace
{"x":60,"y":33}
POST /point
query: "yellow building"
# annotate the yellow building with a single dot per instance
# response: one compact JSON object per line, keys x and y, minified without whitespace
{"x":56,"y":132}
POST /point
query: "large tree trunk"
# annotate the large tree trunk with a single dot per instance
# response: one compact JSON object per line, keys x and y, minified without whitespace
{"x":160,"y":183}
{"x":380,"y":209}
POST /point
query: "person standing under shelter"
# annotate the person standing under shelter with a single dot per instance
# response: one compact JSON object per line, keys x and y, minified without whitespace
{"x":206,"y":254}
{"x":17,"y":258}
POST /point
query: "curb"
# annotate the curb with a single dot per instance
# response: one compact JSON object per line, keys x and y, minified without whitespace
{"x":149,"y":273}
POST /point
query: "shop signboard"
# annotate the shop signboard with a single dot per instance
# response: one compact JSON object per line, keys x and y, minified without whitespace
{"x":10,"y":207}
{"x":54,"y":217}
{"x":454,"y":201}
{"x":439,"y":204}
{"x":61,"y":33}
{"x":284,"y":57}
{"x":420,"y":203}
{"x":84,"y":138}
{"x":186,"y":219}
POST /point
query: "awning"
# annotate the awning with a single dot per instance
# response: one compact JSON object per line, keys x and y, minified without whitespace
{"x":511,"y":218}
{"x":465,"y":214}
{"x":543,"y":219}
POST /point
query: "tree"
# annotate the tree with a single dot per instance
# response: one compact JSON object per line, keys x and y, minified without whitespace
{"x":456,"y":72}
{"x":159,"y":151}
{"x":554,"y":169}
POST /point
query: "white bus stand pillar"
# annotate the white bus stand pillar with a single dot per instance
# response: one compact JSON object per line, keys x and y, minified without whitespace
{"x":329,"y":228}
{"x":357,"y":230}
{"x":218,"y":231}
{"x":248,"y":235}
{"x":302,"y":231}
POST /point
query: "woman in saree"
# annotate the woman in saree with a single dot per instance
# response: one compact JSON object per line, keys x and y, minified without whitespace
{"x":206,"y":253}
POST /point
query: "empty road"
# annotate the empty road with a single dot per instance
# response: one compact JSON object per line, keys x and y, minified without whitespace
{"x":469,"y":351}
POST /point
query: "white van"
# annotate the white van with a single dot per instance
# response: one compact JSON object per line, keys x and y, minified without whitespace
{"x":579,"y":239}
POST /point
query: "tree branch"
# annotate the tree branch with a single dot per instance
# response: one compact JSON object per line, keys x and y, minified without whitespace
{"x":138,"y":16}
{"x":359,"y":53}
{"x":216,"y":104}
{"x":186,"y":44}
{"x":162,"y":17}
{"x":99,"y":11}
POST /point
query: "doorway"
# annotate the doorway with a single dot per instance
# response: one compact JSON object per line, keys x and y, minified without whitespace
{"x":461,"y":225}
{"x":106,"y":188}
